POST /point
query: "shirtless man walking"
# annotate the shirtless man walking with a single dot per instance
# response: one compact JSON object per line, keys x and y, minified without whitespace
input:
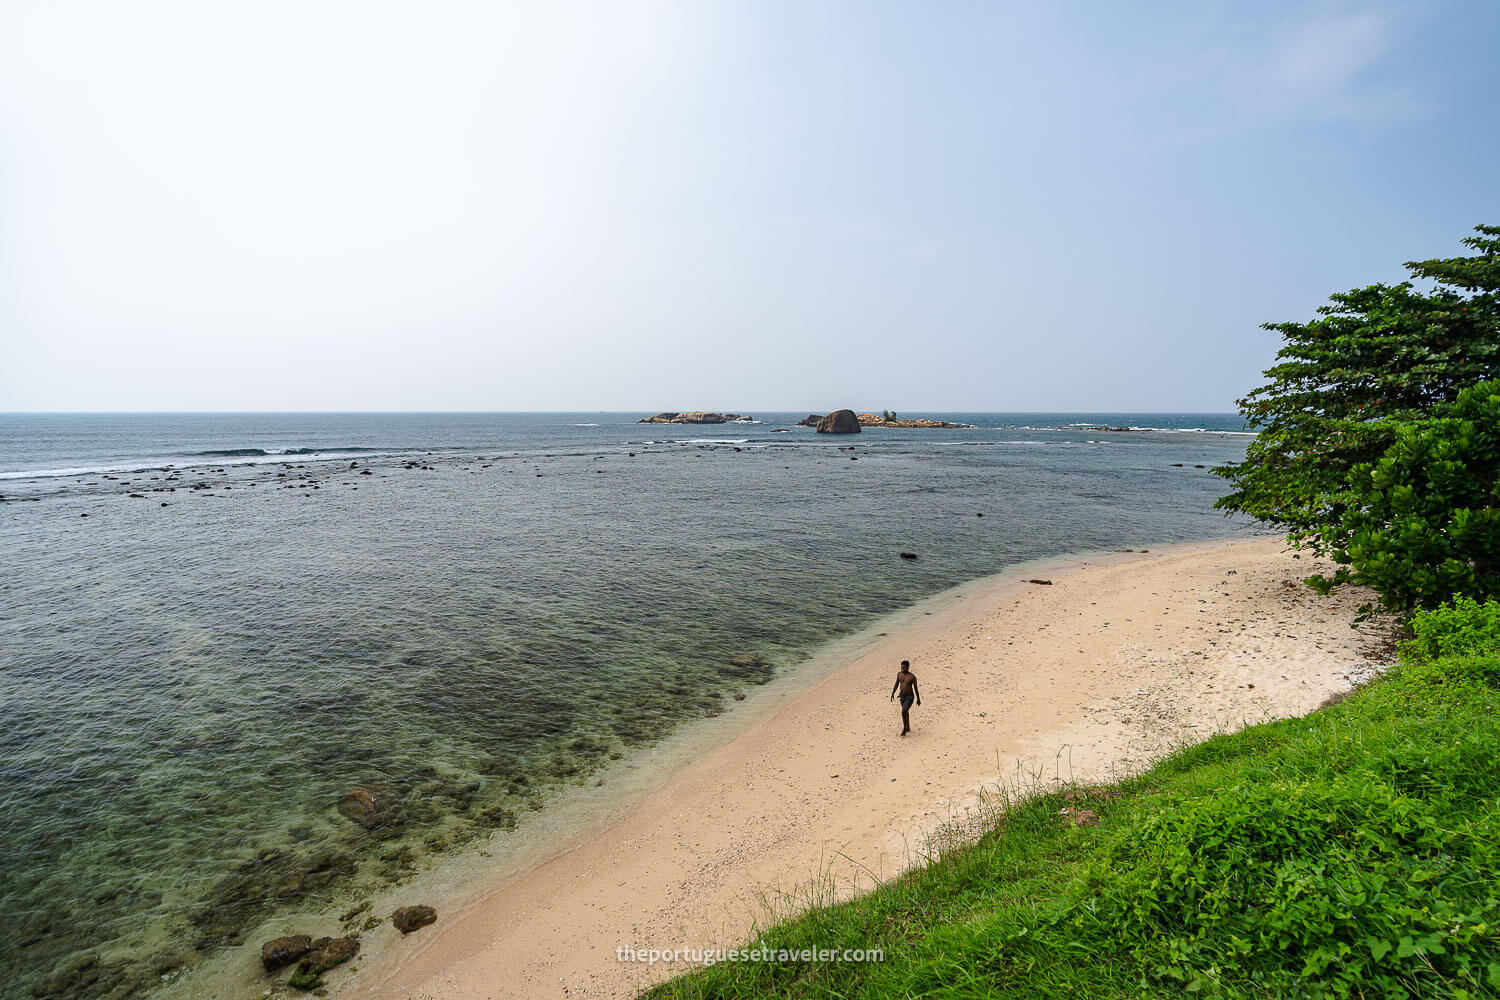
{"x":906,"y":683}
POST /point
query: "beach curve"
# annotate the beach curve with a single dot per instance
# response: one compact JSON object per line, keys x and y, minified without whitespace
{"x":1096,"y":673}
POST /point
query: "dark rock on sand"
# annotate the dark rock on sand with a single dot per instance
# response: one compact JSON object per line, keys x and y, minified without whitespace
{"x":839,"y":422}
{"x":283,"y":951}
{"x":1044,"y":583}
{"x":325,"y":954}
{"x":410,"y":918}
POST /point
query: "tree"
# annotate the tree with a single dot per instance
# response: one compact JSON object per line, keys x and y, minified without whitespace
{"x":1422,"y":524}
{"x":1375,"y":358}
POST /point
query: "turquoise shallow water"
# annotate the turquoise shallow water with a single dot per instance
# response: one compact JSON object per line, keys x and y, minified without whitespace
{"x":245,"y":626}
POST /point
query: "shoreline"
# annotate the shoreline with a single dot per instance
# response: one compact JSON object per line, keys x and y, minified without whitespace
{"x":825,"y":798}
{"x":573,"y":815}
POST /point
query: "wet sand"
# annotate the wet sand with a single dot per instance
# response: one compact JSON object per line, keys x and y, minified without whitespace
{"x":1092,"y":675}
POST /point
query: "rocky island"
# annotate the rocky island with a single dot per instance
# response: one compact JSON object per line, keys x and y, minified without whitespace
{"x":861,"y":420}
{"x":696,"y":417}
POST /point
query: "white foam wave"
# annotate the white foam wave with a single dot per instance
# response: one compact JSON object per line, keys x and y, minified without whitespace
{"x":178,"y":465}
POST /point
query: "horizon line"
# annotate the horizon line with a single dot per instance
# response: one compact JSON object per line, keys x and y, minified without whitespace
{"x":66,"y":413}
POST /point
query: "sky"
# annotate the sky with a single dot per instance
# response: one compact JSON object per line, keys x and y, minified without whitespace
{"x":657,"y":205}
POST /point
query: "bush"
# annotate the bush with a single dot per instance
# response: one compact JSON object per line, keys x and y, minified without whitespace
{"x":1296,"y":887}
{"x":1464,"y":626}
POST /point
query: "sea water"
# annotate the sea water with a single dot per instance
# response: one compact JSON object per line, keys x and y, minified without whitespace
{"x":213,"y":627}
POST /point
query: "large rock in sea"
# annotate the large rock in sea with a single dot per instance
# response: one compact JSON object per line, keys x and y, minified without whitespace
{"x":409,"y":918}
{"x":839,"y":422}
{"x":811,"y":421}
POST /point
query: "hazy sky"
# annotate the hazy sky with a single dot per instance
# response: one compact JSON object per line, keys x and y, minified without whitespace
{"x":758,"y":205}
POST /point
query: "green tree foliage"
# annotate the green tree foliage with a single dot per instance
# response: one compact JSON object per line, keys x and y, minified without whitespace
{"x":1344,"y":382}
{"x":1422,"y":523}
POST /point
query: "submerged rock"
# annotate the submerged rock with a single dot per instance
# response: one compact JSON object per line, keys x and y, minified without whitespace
{"x":368,"y":805}
{"x":410,"y":918}
{"x":749,"y":668}
{"x":283,"y":951}
{"x":839,"y":422}
{"x":255,"y":885}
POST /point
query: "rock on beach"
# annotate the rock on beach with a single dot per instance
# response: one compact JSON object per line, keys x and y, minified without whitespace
{"x":410,"y":918}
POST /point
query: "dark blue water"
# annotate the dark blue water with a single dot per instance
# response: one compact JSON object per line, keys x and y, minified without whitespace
{"x":213,"y":626}
{"x":52,"y":444}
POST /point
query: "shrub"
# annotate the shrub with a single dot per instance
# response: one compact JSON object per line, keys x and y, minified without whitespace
{"x":1464,"y":626}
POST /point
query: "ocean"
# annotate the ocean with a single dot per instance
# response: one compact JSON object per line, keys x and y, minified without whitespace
{"x":213,"y":627}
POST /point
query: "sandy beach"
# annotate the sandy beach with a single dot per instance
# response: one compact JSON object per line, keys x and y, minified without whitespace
{"x":1093,"y":674}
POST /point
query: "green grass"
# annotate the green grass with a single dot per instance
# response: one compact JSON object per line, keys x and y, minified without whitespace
{"x":1350,"y":853}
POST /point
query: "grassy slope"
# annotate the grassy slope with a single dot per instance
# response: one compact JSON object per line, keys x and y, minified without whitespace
{"x":1353,"y":852}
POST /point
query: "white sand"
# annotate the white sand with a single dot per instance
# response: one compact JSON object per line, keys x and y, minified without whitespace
{"x":1079,"y":680}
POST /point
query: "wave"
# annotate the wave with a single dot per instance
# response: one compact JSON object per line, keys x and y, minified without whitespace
{"x":203,"y":459}
{"x":85,"y":470}
{"x":267,"y":452}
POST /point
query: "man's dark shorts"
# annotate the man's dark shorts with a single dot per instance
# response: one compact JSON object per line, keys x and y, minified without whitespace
{"x":906,"y":700}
